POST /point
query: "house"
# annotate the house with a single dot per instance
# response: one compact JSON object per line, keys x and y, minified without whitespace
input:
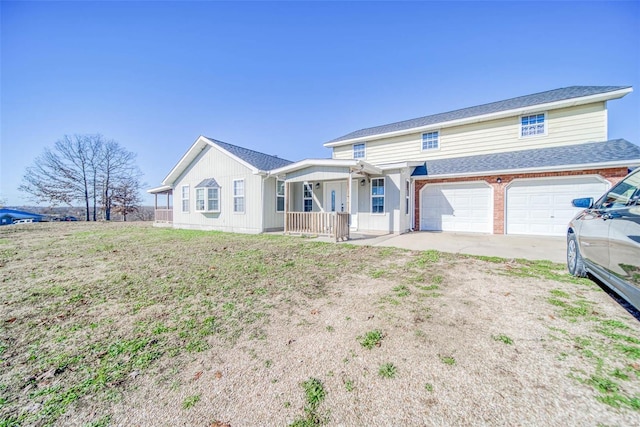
{"x":9,"y":216}
{"x":511,"y":166}
{"x":222,"y":187}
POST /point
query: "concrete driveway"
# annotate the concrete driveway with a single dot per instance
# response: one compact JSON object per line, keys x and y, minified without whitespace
{"x":499,"y":245}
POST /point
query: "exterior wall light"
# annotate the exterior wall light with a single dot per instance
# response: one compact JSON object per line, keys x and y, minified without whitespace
{"x":499,"y":180}
{"x":362,"y":182}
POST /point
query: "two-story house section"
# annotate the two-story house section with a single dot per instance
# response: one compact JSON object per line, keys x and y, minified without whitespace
{"x":510,"y":166}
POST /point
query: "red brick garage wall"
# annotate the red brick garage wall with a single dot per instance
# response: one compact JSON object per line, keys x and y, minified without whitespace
{"x":613,"y":175}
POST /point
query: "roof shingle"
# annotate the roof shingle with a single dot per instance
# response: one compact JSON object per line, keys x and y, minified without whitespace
{"x":479,"y":110}
{"x":260,"y":161}
{"x":579,"y":154}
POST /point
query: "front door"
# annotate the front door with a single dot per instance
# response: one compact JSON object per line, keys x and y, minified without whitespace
{"x":335,"y":196}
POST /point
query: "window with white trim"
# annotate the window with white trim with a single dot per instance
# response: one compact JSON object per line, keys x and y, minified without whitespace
{"x":307,"y":197}
{"x":185,"y":198}
{"x":431,"y":140}
{"x":534,"y":124}
{"x":238,"y":195}
{"x":279,"y":196}
{"x":208,"y":199}
{"x":358,"y":151}
{"x":377,"y":195}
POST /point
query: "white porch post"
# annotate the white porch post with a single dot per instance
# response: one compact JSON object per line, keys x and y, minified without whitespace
{"x":349,"y":195}
{"x":286,"y":206}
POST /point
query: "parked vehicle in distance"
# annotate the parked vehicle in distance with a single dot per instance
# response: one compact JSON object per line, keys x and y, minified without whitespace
{"x":23,"y":221}
{"x":604,"y":239}
{"x":70,"y":218}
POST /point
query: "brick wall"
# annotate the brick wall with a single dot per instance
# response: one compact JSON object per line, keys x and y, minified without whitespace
{"x":613,"y":175}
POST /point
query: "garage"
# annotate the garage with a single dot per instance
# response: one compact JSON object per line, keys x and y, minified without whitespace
{"x":466,"y":207}
{"x":543,"y":206}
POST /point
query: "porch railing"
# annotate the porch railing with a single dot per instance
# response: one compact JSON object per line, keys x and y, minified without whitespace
{"x":164,"y":215}
{"x":332,"y":224}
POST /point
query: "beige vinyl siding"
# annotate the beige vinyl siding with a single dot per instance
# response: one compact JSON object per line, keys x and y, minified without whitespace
{"x":213,"y":163}
{"x":567,"y":126}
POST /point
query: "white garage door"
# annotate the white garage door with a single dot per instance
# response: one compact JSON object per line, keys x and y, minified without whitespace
{"x":456,"y":207}
{"x":543,"y":206}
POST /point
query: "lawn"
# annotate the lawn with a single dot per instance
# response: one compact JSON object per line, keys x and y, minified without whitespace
{"x":126,"y":324}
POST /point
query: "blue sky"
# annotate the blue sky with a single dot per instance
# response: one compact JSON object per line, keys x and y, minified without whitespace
{"x":285,"y":77}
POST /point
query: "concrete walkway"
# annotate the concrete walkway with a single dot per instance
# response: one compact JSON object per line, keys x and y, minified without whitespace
{"x":499,"y":245}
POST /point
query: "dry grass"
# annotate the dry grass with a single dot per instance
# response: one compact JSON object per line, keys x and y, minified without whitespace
{"x":125,"y":324}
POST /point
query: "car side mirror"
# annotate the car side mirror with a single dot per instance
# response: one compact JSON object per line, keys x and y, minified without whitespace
{"x":584,"y":203}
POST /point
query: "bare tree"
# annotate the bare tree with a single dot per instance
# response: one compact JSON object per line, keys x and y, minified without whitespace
{"x":82,"y":168}
{"x":126,"y":197}
{"x":117,"y":168}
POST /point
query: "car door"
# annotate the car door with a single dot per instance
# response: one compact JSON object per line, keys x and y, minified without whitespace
{"x":594,"y":235}
{"x":624,"y":232}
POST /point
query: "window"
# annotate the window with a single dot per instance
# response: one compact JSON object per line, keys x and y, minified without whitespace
{"x":377,"y":195}
{"x":308,"y":197}
{"x":407,"y":196}
{"x":532,"y":125}
{"x":208,"y":199}
{"x":185,"y":198}
{"x":279,"y":196}
{"x":208,"y":196}
{"x":625,"y":193}
{"x":430,"y":140}
{"x":238,"y":195}
{"x":358,"y":151}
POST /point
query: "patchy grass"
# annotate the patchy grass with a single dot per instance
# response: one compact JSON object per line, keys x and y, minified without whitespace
{"x":93,"y":313}
{"x":314,"y":395}
{"x":387,"y":370}
{"x":371,"y":339}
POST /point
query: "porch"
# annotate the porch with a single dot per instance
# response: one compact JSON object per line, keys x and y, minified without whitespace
{"x":162,"y":215}
{"x":331,"y":224}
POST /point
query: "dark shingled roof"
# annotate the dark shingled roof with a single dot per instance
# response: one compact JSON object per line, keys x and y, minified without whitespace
{"x":209,"y":182}
{"x":260,"y":161}
{"x":480,"y":110}
{"x":580,"y":154}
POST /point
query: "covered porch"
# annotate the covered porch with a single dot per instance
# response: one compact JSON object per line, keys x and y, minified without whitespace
{"x":163,"y":213}
{"x":321,"y":196}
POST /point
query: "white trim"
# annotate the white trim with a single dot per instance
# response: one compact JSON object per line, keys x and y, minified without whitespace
{"x":561,"y":168}
{"x":305,"y":186}
{"x":545,"y":124}
{"x":198,"y":146}
{"x":161,"y":189}
{"x":284,"y":200}
{"x":383,"y":196}
{"x":239,"y":196}
{"x":206,"y":200}
{"x":354,"y":164}
{"x":492,"y":116}
{"x":183,"y":199}
{"x":436,"y":131}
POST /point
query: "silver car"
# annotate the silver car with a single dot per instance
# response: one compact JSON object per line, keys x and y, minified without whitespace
{"x":604,"y":239}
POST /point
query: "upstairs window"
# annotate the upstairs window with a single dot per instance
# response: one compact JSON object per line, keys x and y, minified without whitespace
{"x":532,"y":125}
{"x":307,"y":197}
{"x":238,"y":195}
{"x":185,"y":198}
{"x":377,"y":195}
{"x":208,"y":196}
{"x":358,"y":151}
{"x":279,"y":196}
{"x":430,"y":140}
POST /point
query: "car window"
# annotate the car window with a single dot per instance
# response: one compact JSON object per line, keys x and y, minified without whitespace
{"x":620,"y":195}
